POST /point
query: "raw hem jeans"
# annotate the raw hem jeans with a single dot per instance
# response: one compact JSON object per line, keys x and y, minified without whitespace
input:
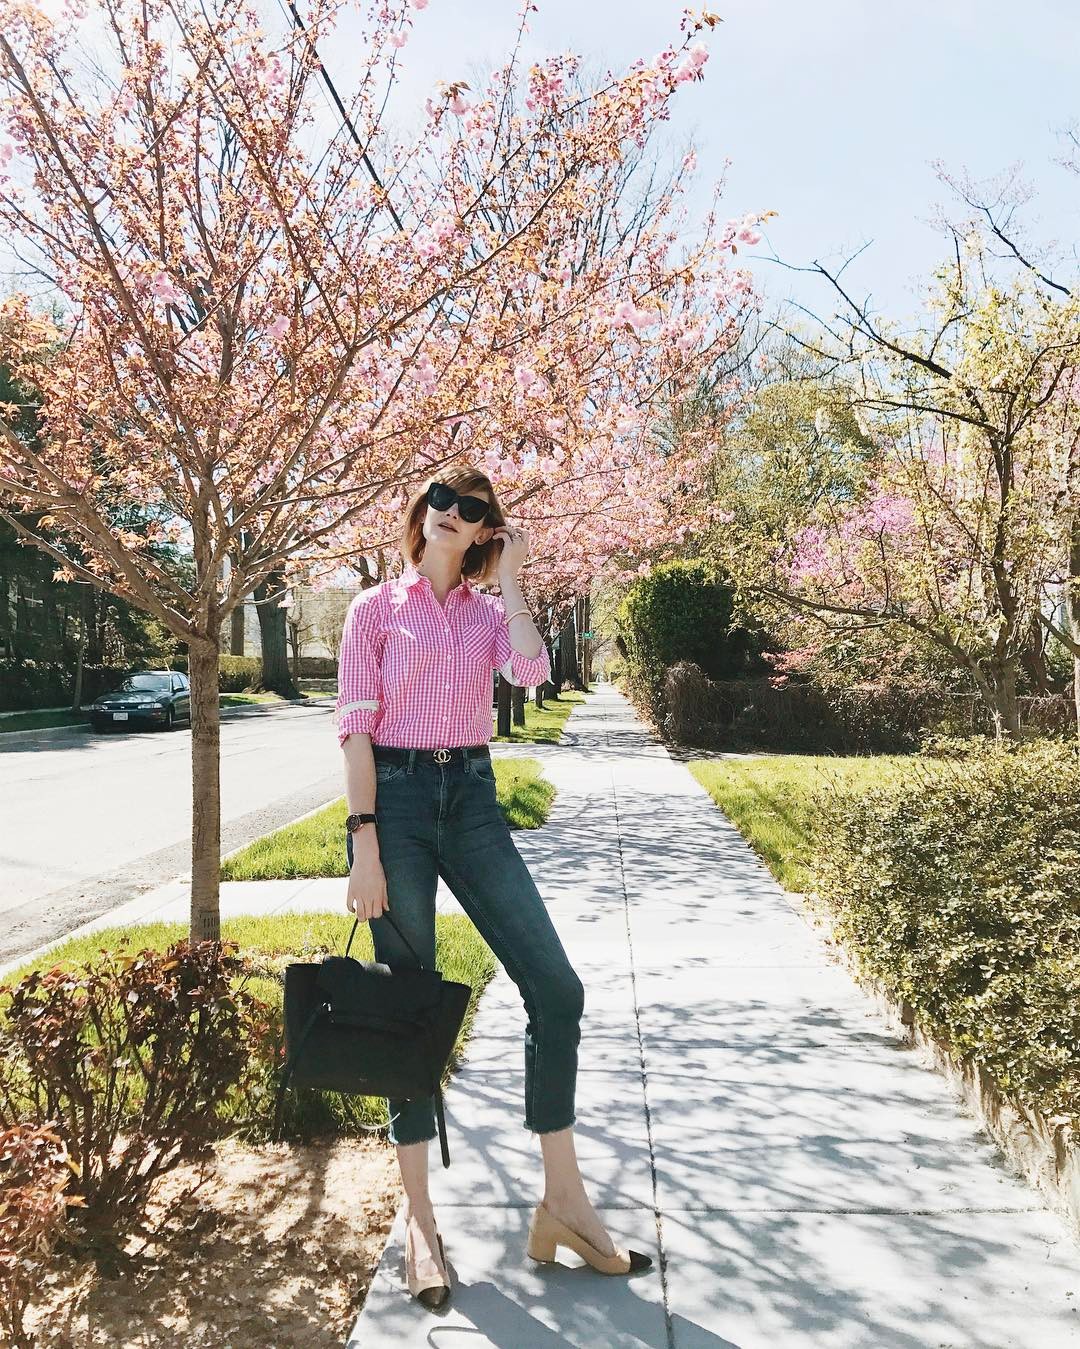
{"x":444,"y":820}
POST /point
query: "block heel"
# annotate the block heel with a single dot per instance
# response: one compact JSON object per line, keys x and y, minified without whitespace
{"x":546,"y":1233}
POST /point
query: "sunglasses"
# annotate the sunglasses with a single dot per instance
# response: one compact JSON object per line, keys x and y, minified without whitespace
{"x":471,"y":509}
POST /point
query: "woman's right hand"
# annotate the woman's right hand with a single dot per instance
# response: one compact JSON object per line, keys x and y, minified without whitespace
{"x":367,"y":884}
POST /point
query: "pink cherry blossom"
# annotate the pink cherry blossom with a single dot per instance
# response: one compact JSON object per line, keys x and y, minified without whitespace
{"x":163,"y":288}
{"x":692,"y":65}
{"x":278,"y":328}
{"x":459,"y":104}
{"x":627,"y":312}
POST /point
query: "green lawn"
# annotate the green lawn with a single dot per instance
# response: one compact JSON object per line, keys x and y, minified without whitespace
{"x":543,"y":725}
{"x":770,"y":799}
{"x":38,"y":721}
{"x":316,"y":846}
{"x":239,"y":699}
{"x":271,"y":943}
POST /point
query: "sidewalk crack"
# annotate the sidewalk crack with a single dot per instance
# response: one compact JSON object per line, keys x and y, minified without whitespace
{"x":669,"y":1328}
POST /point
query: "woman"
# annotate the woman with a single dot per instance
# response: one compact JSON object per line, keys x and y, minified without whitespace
{"x":414,"y":719}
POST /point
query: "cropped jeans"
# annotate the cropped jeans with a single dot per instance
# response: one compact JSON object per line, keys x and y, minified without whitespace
{"x":443,"y":820}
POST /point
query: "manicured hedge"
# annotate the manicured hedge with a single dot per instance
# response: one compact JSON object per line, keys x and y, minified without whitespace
{"x":25,"y":685}
{"x":683,"y":611}
{"x":235,"y":673}
{"x":841,"y":719}
{"x":958,"y":888}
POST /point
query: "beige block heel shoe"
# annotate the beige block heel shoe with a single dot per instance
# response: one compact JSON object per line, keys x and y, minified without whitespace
{"x":546,"y":1232}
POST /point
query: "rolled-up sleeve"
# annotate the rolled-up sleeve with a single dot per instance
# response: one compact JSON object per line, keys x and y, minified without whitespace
{"x":525,"y":671}
{"x":358,"y":699}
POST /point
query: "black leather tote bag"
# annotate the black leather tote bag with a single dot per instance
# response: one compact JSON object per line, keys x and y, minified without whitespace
{"x":357,"y":1026}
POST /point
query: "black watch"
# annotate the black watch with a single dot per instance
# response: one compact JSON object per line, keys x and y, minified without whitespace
{"x":353,"y":822}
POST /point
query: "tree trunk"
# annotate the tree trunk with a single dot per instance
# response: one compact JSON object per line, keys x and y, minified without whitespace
{"x":1073,"y":605}
{"x":1000,"y":694}
{"x":503,"y":717}
{"x":295,"y":643}
{"x":517,"y":699}
{"x":76,"y":693}
{"x":236,"y":630}
{"x":1033,"y":661}
{"x":93,"y":602}
{"x":205,"y":790}
{"x":568,"y":652}
{"x":586,"y":642}
{"x":276,"y":676}
{"x":555,"y":684}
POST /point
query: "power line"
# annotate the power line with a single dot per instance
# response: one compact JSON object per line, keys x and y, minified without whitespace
{"x":345,"y":117}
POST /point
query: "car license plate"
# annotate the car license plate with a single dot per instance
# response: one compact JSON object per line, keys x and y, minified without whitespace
{"x":119,"y":716}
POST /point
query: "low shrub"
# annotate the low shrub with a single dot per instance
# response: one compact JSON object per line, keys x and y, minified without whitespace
{"x":684,"y":611}
{"x":956,"y":887}
{"x":25,"y":685}
{"x":35,"y":1170}
{"x":810,"y":717}
{"x":235,"y":673}
{"x":131,"y":1056}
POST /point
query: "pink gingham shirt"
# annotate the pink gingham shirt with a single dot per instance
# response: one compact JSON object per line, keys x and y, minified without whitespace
{"x":417,"y":675}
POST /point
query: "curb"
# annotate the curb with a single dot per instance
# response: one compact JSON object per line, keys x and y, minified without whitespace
{"x":1045,"y":1152}
{"x":226,"y":714}
{"x":184,"y":877}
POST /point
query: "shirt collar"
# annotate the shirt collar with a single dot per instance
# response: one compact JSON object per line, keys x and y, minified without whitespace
{"x":410,"y":577}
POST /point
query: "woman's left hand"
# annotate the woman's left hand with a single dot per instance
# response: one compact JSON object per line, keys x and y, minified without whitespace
{"x":515,"y":549}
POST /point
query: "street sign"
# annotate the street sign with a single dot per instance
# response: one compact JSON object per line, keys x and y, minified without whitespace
{"x":586,"y":635}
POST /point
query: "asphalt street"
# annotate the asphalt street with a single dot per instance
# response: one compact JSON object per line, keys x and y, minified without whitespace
{"x":88,"y":821}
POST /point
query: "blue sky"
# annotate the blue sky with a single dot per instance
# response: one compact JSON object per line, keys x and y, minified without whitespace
{"x":830,"y":112}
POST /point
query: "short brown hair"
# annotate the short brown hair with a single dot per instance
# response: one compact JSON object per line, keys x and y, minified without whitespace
{"x":480,"y":559}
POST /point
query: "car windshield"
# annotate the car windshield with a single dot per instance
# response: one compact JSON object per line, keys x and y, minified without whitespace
{"x":145,"y":683}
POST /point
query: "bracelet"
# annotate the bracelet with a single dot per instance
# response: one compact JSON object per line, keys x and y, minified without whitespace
{"x":516,"y":614}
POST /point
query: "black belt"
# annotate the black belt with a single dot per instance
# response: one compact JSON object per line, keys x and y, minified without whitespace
{"x":392,"y":754}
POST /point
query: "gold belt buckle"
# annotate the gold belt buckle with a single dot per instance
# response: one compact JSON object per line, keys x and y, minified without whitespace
{"x":443,"y":756}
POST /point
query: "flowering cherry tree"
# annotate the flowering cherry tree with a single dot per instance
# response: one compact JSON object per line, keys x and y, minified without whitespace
{"x":270,"y":340}
{"x":958,"y":521}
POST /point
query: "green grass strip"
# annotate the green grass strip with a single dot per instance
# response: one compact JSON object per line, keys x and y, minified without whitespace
{"x":770,"y":800}
{"x":315,"y":846}
{"x":543,"y":725}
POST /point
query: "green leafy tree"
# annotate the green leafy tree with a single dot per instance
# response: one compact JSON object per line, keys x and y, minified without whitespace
{"x":685,"y":611}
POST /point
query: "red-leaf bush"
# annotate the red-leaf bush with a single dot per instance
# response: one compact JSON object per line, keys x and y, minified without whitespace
{"x":35,"y":1170}
{"x":132,"y":1056}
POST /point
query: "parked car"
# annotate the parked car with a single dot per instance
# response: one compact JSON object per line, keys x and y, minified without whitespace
{"x":148,"y":698}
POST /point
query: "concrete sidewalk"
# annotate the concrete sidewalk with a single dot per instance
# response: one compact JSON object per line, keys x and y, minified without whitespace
{"x":801,"y":1181}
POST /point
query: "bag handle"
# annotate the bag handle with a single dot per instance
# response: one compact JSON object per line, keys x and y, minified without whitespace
{"x":408,"y":943}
